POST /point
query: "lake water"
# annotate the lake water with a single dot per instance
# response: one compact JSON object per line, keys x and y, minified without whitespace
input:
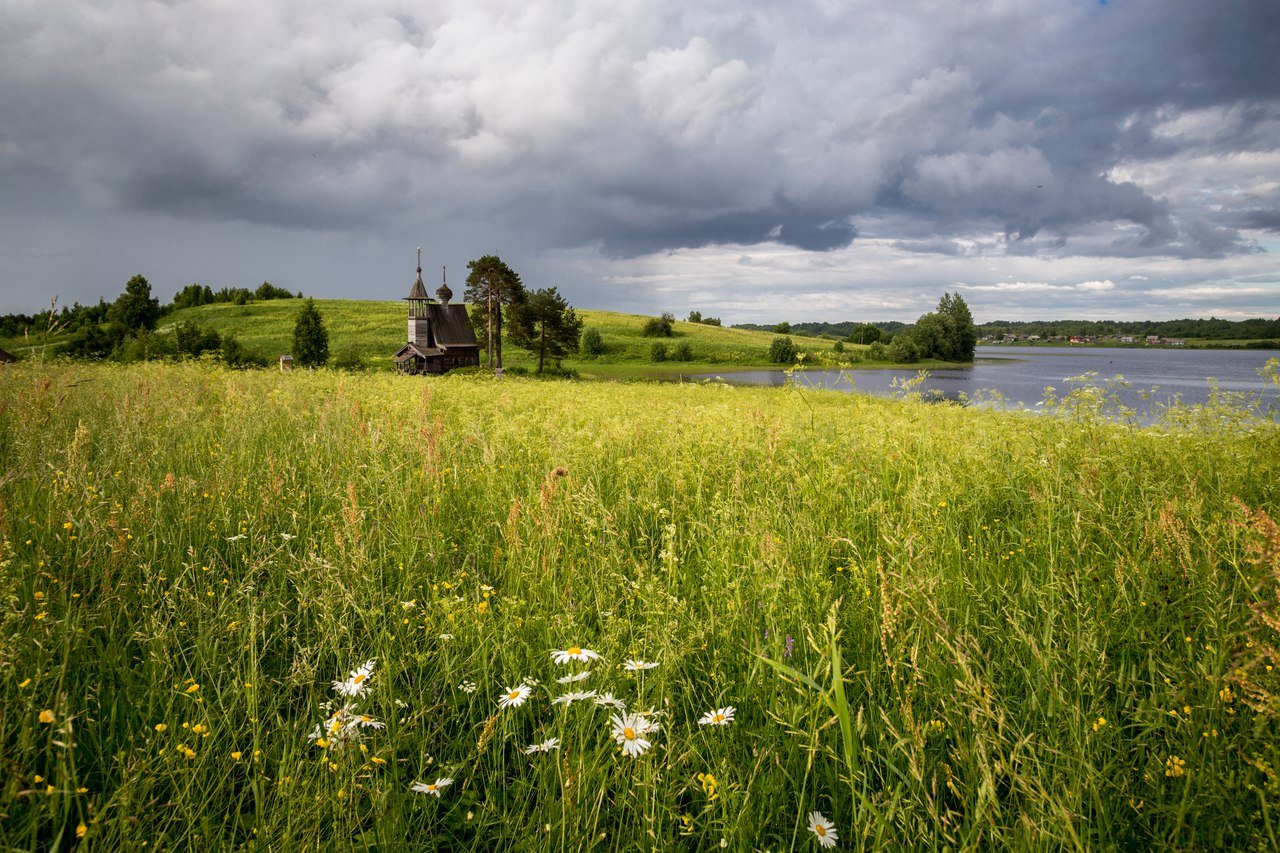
{"x":1021,"y":374}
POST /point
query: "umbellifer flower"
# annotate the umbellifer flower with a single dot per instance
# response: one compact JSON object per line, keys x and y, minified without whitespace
{"x":515,"y":696}
{"x":629,"y":731}
{"x":434,"y":788}
{"x":718,"y":717}
{"x":357,"y":682}
{"x":824,"y":829}
{"x":573,"y":653}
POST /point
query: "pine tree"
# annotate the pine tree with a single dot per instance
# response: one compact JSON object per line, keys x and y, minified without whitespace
{"x":310,"y":339}
{"x":547,"y":325}
{"x":491,"y":284}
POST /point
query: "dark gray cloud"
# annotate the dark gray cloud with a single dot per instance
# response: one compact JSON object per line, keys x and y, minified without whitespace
{"x":988,"y":134}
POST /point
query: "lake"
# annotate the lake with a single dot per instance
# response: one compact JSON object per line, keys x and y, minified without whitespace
{"x":1021,"y":374}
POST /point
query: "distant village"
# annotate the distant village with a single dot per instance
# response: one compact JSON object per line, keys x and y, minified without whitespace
{"x":1138,"y":340}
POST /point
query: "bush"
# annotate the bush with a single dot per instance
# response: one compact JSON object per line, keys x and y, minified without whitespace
{"x":193,"y":339}
{"x":234,"y":354}
{"x":349,"y":359}
{"x":658,"y":352}
{"x":660,"y":327}
{"x":782,"y":351}
{"x":904,"y":349}
{"x":838,"y":346}
{"x":684,"y":351}
{"x":591,"y":344}
{"x":877,"y":352}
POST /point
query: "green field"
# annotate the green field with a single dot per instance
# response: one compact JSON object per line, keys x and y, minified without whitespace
{"x":938,"y":626}
{"x":374,"y":330}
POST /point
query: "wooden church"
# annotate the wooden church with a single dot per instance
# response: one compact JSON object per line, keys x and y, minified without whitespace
{"x":440,"y":334}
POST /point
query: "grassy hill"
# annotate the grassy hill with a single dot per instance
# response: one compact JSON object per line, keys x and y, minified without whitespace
{"x":375,"y":330}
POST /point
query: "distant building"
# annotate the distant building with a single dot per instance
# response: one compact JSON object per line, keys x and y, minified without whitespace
{"x":1126,"y":339}
{"x":440,"y":335}
{"x":286,"y":363}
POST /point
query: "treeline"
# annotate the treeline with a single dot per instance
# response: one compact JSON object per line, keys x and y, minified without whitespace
{"x":1211,"y":329}
{"x":849,"y":330}
{"x":124,"y":329}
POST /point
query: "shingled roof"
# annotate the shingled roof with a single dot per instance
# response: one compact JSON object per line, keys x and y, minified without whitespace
{"x":450,"y":326}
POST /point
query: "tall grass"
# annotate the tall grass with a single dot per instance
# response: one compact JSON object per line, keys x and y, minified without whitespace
{"x":938,"y":626}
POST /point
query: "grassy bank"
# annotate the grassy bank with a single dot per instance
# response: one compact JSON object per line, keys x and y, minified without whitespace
{"x":937,"y":626}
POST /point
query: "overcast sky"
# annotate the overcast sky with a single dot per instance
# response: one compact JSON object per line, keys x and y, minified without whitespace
{"x":757,"y":161}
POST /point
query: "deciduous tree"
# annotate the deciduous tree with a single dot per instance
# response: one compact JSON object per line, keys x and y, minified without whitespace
{"x":310,"y":338}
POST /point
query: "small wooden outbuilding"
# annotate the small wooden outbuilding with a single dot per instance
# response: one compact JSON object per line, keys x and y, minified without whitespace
{"x":440,"y":334}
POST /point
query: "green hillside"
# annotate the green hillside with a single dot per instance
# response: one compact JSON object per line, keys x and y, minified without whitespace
{"x":376,"y":329}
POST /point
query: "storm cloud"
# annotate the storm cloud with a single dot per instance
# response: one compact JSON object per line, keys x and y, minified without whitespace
{"x":651,"y":155}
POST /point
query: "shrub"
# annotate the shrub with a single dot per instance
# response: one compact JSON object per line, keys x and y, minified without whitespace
{"x":659,"y":327}
{"x":838,"y":346}
{"x":782,"y":351}
{"x":349,"y":359}
{"x":877,"y":352}
{"x":658,"y":352}
{"x":684,"y":351}
{"x":591,"y":344}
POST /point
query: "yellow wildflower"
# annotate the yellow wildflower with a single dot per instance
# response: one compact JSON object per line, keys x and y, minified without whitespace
{"x":46,"y":716}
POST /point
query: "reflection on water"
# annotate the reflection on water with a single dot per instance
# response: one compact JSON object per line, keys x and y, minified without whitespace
{"x":1020,"y":376}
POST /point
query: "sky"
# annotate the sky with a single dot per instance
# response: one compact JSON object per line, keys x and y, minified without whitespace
{"x":755,"y":161}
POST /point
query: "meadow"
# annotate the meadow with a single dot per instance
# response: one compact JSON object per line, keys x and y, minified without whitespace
{"x":279,"y":610}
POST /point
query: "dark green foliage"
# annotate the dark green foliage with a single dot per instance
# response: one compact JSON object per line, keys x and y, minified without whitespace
{"x":491,"y":285}
{"x":145,"y":345}
{"x":234,"y":353}
{"x":903,"y":349}
{"x":135,"y":309}
{"x":694,"y":317}
{"x":660,"y":327}
{"x":591,"y":344}
{"x":683,"y":351}
{"x":310,"y":339}
{"x":267,"y":290}
{"x":865,"y":333}
{"x":782,"y":351}
{"x":544,"y":323}
{"x":877,"y":352}
{"x":349,"y":359}
{"x":192,"y":339}
{"x":783,"y":328}
{"x":658,"y":352}
{"x":192,"y":296}
{"x":838,"y":346}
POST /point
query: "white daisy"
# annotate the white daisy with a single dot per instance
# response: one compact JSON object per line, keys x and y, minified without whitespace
{"x":548,"y":745}
{"x":515,"y":696}
{"x":577,"y":676}
{"x":573,"y":653}
{"x":629,"y":731}
{"x":718,"y":717}
{"x":357,"y":682}
{"x":569,"y":698}
{"x":342,"y":727}
{"x":467,"y":687}
{"x":824,"y":829}
{"x":607,"y":700}
{"x":638,"y":665}
{"x":434,"y":788}
{"x":409,"y":605}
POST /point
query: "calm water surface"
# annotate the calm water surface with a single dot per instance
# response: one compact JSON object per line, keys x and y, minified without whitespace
{"x":1021,"y":374}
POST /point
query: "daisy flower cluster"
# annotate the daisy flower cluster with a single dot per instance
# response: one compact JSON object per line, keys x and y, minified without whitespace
{"x":345,"y":724}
